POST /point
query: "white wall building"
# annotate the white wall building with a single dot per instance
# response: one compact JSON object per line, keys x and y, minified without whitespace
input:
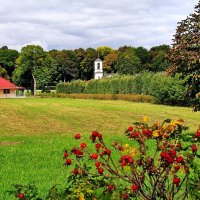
{"x":98,"y":68}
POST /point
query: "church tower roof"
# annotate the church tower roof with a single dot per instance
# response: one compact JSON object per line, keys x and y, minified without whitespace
{"x":98,"y":59}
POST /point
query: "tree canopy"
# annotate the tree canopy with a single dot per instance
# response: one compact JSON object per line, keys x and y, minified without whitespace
{"x":185,"y":55}
{"x":157,"y":56}
{"x":35,"y":61}
{"x":7,"y":59}
{"x":128,"y":62}
{"x":57,"y":66}
{"x":3,"y":73}
{"x":103,"y":51}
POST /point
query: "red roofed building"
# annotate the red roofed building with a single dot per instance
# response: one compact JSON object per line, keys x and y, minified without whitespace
{"x":8,"y":89}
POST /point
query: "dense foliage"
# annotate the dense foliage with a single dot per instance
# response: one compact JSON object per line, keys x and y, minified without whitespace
{"x":185,"y":55}
{"x":165,"y":89}
{"x":35,"y":61}
{"x":7,"y":62}
{"x":66,"y":65}
{"x":36,"y":68}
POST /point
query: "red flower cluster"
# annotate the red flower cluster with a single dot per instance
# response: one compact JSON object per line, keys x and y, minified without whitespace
{"x":148,"y":132}
{"x":77,"y":136}
{"x":134,"y":187}
{"x":106,"y":152}
{"x":172,"y":152}
{"x":166,"y":157}
{"x":95,"y":135}
{"x":68,"y":162}
{"x":100,"y":170}
{"x":94,"y":156}
{"x":75,"y":171}
{"x":179,"y":159}
{"x":197,"y":134}
{"x":111,"y":187}
{"x":176,"y":167}
{"x":83,"y":145}
{"x":125,"y":196}
{"x":140,"y":162}
{"x":166,"y":136}
{"x":97,"y":164}
{"x":176,"y":181}
{"x":134,"y":134}
{"x":20,"y":195}
{"x":130,"y":128}
{"x":194,"y":148}
{"x":77,"y":152}
{"x":65,"y":154}
{"x":98,"y":146}
{"x":126,"y":160}
{"x":170,"y":157}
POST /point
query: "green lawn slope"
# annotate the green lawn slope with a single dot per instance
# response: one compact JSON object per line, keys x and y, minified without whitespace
{"x":34,"y":132}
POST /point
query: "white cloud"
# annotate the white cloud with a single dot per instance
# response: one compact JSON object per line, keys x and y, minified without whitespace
{"x":69,"y":24}
{"x":18,"y":47}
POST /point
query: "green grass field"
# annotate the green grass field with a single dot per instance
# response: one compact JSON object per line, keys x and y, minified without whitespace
{"x":34,"y":132}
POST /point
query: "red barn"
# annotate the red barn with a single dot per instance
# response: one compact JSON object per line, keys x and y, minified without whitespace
{"x":8,"y":89}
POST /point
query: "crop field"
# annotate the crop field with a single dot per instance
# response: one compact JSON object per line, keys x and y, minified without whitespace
{"x":34,"y":132}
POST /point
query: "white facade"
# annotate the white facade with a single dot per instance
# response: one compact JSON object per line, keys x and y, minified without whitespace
{"x":98,"y":69}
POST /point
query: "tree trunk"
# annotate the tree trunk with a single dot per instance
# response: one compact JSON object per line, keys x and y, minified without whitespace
{"x":34,"y":85}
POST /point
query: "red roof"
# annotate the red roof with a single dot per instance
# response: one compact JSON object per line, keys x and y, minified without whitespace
{"x":5,"y":84}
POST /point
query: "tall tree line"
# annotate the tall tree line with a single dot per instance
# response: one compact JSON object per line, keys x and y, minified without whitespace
{"x":34,"y":67}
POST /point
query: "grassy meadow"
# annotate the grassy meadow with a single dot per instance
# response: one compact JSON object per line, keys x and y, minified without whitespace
{"x":34,"y":132}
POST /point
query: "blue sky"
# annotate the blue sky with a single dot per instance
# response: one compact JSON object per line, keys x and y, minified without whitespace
{"x":70,"y":24}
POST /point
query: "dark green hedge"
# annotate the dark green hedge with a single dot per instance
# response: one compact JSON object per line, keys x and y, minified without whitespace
{"x":168,"y":90}
{"x":165,"y":89}
{"x":71,"y":87}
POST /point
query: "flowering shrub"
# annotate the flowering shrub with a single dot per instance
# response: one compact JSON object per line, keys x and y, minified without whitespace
{"x":157,"y":163}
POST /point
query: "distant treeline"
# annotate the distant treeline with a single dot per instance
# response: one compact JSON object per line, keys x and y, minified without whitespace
{"x":164,"y":89}
{"x":66,"y":65}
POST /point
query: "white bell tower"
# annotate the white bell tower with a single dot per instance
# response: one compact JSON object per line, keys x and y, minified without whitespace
{"x":98,"y":69}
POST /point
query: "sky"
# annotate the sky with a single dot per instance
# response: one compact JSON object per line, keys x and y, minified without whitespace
{"x":70,"y":24}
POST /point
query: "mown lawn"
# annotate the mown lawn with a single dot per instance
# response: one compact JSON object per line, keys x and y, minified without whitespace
{"x":34,"y":132}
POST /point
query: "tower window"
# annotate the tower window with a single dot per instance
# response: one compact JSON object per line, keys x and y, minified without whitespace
{"x":98,"y":65}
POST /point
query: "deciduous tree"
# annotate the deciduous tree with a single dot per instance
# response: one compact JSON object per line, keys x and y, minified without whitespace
{"x":110,"y":62}
{"x":3,"y":73}
{"x":80,"y":55}
{"x":128,"y":62}
{"x":103,"y":51}
{"x":34,"y":60}
{"x":87,"y":64}
{"x":143,"y":55}
{"x":7,"y":59}
{"x":185,"y":55}
{"x":158,"y":60}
